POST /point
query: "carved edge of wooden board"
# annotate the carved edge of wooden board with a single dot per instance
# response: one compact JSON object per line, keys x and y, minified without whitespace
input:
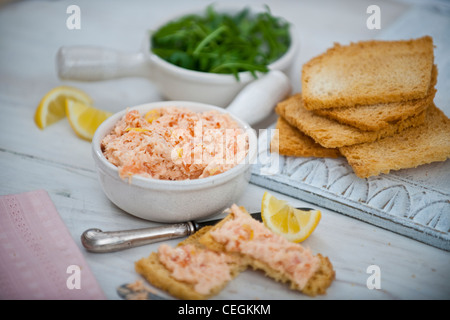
{"x":397,"y":202}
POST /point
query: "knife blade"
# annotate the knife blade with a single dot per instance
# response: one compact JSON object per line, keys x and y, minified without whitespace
{"x":200,"y":224}
{"x":98,"y":241}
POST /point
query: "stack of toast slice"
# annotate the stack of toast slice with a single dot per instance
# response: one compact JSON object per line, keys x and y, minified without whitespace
{"x":371,"y":102}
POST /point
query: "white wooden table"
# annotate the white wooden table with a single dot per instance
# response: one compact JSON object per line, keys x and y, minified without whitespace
{"x":56,"y":160}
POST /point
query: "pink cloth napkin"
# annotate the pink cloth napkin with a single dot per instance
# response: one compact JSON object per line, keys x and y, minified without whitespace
{"x":38,"y":257}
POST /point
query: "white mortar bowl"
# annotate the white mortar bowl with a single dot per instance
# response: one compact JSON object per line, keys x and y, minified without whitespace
{"x":173,"y":201}
{"x":94,"y":63}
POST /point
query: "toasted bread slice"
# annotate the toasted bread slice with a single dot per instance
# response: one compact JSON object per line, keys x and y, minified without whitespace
{"x":410,"y":148}
{"x":289,"y":141}
{"x":332,"y":134}
{"x":367,"y":73}
{"x":380,"y":116}
{"x":318,"y":283}
{"x":156,"y":273}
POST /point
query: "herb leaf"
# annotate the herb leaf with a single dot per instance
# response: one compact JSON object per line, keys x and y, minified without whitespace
{"x":223,"y":43}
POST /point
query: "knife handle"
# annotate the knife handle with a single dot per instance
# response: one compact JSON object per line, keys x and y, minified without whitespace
{"x":96,"y":240}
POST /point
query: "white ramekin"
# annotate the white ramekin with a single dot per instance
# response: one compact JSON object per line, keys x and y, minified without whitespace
{"x":173,"y":201}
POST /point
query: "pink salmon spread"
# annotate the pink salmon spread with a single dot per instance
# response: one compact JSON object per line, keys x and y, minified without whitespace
{"x":247,"y":236}
{"x":203,"y":268}
{"x":175,"y":144}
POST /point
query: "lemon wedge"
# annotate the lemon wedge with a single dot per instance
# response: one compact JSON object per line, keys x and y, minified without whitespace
{"x":293,"y":224}
{"x":52,"y":106}
{"x":84,"y":119}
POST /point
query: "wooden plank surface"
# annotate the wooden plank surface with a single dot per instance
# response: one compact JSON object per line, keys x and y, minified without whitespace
{"x":56,"y":160}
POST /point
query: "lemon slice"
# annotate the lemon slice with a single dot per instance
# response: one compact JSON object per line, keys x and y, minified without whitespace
{"x":293,"y":224}
{"x":52,"y":106}
{"x":84,"y":119}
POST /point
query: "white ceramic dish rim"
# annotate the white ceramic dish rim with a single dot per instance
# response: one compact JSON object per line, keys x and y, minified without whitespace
{"x":245,"y":76}
{"x":157,"y":184}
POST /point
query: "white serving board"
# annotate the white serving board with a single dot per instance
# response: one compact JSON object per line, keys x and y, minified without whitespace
{"x":412,"y":202}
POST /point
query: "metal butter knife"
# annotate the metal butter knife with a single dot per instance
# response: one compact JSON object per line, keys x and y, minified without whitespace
{"x":96,"y":240}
